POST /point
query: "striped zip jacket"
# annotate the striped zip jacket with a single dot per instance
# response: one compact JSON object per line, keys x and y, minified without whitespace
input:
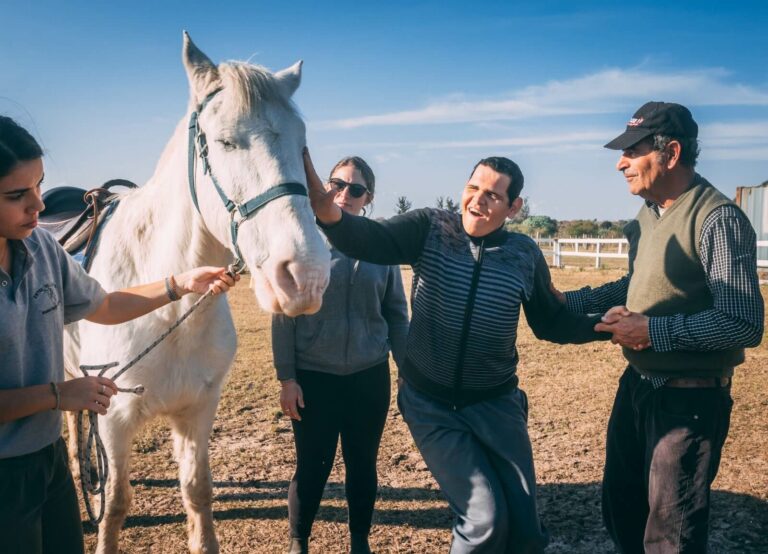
{"x":465,"y":300}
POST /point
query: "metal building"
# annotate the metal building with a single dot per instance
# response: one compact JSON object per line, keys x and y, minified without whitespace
{"x":754,"y":202}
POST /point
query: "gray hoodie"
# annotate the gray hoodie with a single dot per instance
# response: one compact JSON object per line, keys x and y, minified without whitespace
{"x":364,"y":314}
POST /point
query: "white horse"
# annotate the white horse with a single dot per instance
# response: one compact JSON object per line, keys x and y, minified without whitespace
{"x":255,"y":139}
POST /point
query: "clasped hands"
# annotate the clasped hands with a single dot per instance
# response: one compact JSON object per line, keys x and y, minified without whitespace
{"x":629,"y":329}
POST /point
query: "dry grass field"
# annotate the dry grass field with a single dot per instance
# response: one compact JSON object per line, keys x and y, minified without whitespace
{"x":570,"y":388}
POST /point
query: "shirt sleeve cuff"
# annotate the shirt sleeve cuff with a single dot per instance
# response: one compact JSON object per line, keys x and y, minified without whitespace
{"x":659,"y":333}
{"x":330,"y":225}
{"x":285,"y":373}
{"x":575,"y":302}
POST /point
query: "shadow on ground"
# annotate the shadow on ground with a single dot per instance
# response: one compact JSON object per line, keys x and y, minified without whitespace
{"x":739,"y":522}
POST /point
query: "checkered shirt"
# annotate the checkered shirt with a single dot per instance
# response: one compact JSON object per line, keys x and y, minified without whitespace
{"x":729,"y":258}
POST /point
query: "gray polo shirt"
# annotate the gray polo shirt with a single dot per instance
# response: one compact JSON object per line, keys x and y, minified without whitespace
{"x":45,"y":290}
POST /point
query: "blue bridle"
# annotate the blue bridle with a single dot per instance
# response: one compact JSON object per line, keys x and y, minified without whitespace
{"x":197,"y":141}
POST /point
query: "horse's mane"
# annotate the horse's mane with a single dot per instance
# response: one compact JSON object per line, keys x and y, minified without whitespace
{"x":251,"y":85}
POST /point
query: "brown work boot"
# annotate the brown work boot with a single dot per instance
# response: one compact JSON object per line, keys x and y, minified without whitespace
{"x":298,"y":546}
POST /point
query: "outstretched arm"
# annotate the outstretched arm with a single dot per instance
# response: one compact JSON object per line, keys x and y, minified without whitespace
{"x":588,"y":300}
{"x":130,"y":303}
{"x":394,"y":241}
{"x":550,"y":319}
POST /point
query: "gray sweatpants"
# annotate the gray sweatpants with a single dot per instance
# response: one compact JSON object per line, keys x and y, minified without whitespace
{"x":481,"y":457}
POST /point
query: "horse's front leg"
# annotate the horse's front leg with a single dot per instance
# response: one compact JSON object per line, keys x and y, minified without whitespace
{"x":117,"y":439}
{"x":191,"y":429}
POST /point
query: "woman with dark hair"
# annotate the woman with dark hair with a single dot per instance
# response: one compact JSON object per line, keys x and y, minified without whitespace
{"x":41,"y":290}
{"x":334,"y":374}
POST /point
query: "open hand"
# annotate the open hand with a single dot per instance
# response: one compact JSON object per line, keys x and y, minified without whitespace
{"x":321,"y":199}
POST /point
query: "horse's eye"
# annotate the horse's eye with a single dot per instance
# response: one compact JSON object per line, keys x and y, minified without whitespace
{"x":228,"y":145}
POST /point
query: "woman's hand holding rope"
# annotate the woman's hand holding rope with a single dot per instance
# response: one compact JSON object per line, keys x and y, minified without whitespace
{"x":86,"y":393}
{"x":202,"y":279}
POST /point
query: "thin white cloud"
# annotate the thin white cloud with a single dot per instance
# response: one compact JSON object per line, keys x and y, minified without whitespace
{"x":735,"y":134}
{"x":757,"y":154}
{"x":520,"y":141}
{"x":732,"y":141}
{"x":387,"y":157}
{"x":560,"y":140}
{"x":604,"y":92}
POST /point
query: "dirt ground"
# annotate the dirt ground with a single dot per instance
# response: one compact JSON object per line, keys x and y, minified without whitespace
{"x":570,"y":389}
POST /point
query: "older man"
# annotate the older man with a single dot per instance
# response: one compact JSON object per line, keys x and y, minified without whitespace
{"x":684,"y":314}
{"x":459,"y":394}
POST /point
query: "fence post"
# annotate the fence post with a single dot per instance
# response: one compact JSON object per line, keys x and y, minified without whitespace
{"x":597,"y":255}
{"x":556,"y":253}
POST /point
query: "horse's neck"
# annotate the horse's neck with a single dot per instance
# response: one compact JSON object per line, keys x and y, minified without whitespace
{"x":158,"y":225}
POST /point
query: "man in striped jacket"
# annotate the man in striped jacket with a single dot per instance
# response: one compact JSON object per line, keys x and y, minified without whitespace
{"x":459,"y":393}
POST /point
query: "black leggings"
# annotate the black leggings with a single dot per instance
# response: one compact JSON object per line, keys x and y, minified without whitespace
{"x":355,"y":407}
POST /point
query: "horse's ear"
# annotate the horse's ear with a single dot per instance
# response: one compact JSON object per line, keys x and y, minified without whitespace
{"x":290,"y":78}
{"x":201,"y":71}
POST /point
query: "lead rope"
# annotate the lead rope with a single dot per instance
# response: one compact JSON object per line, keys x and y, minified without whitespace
{"x":92,"y":445}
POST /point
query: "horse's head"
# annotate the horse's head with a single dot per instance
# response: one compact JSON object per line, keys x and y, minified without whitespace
{"x":253,"y":140}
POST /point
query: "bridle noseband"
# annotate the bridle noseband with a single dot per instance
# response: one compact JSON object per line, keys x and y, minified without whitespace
{"x":198,"y":142}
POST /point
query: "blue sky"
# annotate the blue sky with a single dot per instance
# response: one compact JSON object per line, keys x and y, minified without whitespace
{"x":420,"y":89}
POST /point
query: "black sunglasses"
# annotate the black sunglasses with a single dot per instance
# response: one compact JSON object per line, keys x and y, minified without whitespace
{"x":356,"y":190}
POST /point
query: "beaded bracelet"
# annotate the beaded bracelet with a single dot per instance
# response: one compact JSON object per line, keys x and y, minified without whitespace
{"x":55,"y":391}
{"x":170,"y":289}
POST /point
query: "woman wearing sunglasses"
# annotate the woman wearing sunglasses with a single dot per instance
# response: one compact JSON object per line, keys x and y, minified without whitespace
{"x":334,"y":373}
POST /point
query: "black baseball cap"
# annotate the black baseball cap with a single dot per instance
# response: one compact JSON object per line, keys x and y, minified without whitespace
{"x":656,"y":118}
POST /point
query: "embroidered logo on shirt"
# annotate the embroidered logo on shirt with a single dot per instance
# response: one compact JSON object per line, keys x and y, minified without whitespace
{"x":50,"y":297}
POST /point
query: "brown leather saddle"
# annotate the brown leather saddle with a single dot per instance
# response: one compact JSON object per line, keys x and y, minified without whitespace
{"x":73,"y":215}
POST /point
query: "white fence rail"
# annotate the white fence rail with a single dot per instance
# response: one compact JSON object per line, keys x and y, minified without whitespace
{"x":600,"y":249}
{"x":762,"y":263}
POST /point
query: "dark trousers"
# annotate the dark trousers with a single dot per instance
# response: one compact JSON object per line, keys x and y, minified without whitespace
{"x":355,"y":408}
{"x":38,"y":504}
{"x":662,"y":454}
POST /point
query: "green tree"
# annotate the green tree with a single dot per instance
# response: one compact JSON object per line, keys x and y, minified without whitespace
{"x":452,"y":206}
{"x":539,"y":224}
{"x":578,"y":228}
{"x":447,"y":203}
{"x":402,"y":205}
